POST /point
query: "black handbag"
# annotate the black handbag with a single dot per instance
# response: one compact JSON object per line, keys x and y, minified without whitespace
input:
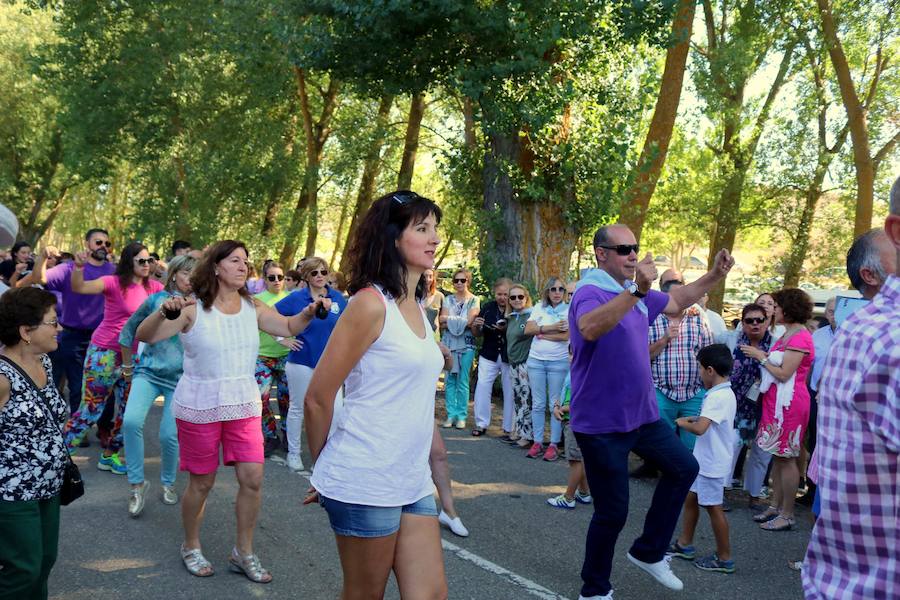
{"x":72,"y":485}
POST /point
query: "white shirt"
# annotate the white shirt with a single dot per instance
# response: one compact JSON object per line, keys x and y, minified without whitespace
{"x":543,"y":316}
{"x":822,"y":340}
{"x":3,"y":288}
{"x":378,"y":454}
{"x":713,"y":449}
{"x":716,"y":326}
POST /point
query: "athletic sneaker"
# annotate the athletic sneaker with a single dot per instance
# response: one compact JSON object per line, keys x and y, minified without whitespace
{"x":660,"y":571}
{"x":112,"y":464}
{"x":138,"y":497}
{"x":606,"y":597}
{"x":712,"y":563}
{"x":561,"y":502}
{"x":294,"y":462}
{"x":447,"y":424}
{"x":169,"y":495}
{"x":583,"y":498}
{"x":535,"y":451}
{"x":679,"y":551}
{"x":552,"y":453}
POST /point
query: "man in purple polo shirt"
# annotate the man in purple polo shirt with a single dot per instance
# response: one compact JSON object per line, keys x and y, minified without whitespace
{"x":614,"y":409}
{"x":80,"y":313}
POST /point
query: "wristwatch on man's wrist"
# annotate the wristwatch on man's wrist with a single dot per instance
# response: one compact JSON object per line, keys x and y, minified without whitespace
{"x":632,"y":288}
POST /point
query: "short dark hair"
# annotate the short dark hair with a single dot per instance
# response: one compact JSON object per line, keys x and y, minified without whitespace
{"x":864,"y":253}
{"x":796,"y":305}
{"x":180,"y":245}
{"x":22,"y":307}
{"x":293,"y":274}
{"x":752,"y":307}
{"x":154,"y":255}
{"x":717,"y":356}
{"x":91,"y":232}
{"x":373,"y":254}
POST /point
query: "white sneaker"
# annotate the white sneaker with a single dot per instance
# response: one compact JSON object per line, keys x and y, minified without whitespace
{"x":606,"y":597}
{"x":455,"y":525}
{"x":583,"y":498}
{"x":460,"y":424}
{"x":138,"y":497}
{"x":294,"y":462}
{"x":661,"y":571}
{"x":169,"y":495}
{"x":447,"y":424}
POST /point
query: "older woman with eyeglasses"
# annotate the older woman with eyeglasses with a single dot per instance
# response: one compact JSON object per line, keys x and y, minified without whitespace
{"x":156,"y":374}
{"x":458,"y":312}
{"x":106,"y":375}
{"x":548,"y":363}
{"x":753,"y":332}
{"x":518,"y":347}
{"x":311,"y":341}
{"x":33,"y":452}
{"x":272,"y":360}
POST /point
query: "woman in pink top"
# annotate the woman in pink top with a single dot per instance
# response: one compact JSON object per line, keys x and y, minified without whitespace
{"x":105,"y":376}
{"x":785,"y":404}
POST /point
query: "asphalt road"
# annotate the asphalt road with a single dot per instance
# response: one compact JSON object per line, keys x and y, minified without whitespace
{"x":519,"y":547}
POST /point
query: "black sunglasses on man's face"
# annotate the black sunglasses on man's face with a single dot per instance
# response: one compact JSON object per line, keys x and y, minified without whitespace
{"x":623,"y":249}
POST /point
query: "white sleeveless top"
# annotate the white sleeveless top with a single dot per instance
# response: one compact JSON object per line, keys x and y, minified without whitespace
{"x":378,"y":454}
{"x":219,"y":381}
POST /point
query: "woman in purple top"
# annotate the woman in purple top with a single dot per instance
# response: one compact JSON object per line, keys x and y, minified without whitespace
{"x":785,"y":412}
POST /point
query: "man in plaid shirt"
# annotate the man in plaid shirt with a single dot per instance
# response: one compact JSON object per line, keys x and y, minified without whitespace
{"x":674,"y":343}
{"x":853,"y":550}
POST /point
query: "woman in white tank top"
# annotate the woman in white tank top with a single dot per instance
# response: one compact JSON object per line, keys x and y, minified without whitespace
{"x":217,"y":402}
{"x":372,"y":474}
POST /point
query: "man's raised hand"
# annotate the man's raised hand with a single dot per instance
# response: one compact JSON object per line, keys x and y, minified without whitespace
{"x":723,"y":264}
{"x":645,"y":273}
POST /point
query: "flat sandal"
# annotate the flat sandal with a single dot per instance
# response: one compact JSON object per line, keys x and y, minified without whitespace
{"x":249,"y":566}
{"x":195,"y":562}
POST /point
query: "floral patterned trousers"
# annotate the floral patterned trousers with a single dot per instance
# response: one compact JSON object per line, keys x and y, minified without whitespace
{"x":102,"y":382}
{"x":522,"y":400}
{"x":268,"y":371}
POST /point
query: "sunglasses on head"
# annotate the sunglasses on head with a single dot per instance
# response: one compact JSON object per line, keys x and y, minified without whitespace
{"x":402,"y":198}
{"x":100,"y":243}
{"x":623,"y":249}
{"x":145,"y":261}
{"x":517,"y":297}
{"x":274,"y":278}
{"x":755,"y":320}
{"x":557,"y":289}
{"x":323,"y":273}
{"x":460,"y":280}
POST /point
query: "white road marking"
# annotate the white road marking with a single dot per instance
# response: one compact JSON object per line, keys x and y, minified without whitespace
{"x":526,"y":584}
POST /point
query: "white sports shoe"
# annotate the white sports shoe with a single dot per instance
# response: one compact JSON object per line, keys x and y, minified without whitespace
{"x":455,"y":525}
{"x":169,"y":495}
{"x":606,"y":597}
{"x":294,"y":462}
{"x":661,"y":571}
{"x":137,"y":499}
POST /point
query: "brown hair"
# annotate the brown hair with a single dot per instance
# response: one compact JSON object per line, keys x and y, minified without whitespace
{"x":204,"y":279}
{"x":311,"y":264}
{"x":795,"y":304}
{"x":270,"y":264}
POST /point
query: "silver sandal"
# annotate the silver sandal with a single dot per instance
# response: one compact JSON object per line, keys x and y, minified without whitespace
{"x":249,"y":566}
{"x":195,"y":562}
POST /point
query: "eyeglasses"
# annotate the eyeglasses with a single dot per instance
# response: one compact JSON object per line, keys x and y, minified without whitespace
{"x":517,"y":297}
{"x":323,"y":273}
{"x":100,"y":243}
{"x":403,"y":198}
{"x":54,"y":324}
{"x":274,"y":278}
{"x":145,"y":261}
{"x":557,"y":289}
{"x":623,"y":249}
{"x":460,"y":280}
{"x":755,"y":320}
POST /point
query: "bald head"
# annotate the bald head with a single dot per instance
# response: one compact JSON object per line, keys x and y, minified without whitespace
{"x":669,"y":279}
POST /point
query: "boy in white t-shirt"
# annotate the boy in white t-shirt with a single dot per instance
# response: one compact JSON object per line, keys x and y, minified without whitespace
{"x":714,"y":429}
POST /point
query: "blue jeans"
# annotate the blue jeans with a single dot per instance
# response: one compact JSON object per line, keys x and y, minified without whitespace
{"x":456,"y":388}
{"x":143,"y":393}
{"x":669,"y":410}
{"x":606,"y":466}
{"x":68,"y":360}
{"x":546,"y":378}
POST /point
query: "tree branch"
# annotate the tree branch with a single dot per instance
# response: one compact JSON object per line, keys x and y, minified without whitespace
{"x":886,"y":150}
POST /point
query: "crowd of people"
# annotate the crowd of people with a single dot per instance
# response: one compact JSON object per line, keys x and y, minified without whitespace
{"x":591,"y":370}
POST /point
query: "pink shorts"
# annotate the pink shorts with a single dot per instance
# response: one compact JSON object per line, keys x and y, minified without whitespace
{"x":241,"y":441}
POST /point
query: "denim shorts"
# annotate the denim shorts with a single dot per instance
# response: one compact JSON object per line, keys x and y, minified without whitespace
{"x":361,"y":520}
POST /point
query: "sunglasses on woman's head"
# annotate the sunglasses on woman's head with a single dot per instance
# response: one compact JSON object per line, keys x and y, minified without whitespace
{"x":460,"y":280}
{"x":101,"y":243}
{"x":323,"y":273}
{"x":402,"y":198}
{"x":517,"y":297}
{"x":623,"y":249}
{"x":145,"y":261}
{"x":755,"y":320}
{"x":274,"y":278}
